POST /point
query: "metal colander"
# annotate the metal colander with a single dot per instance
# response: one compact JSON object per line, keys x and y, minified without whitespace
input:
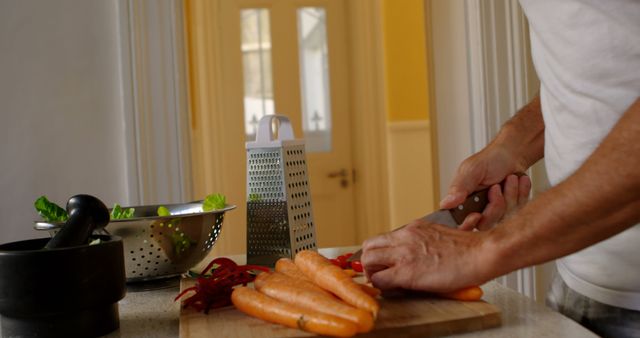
{"x":279,"y":213}
{"x":161,"y":247}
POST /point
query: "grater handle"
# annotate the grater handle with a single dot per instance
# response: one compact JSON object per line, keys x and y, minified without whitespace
{"x":265,"y":133}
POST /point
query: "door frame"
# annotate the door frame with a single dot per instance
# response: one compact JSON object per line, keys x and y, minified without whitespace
{"x":368,"y":125}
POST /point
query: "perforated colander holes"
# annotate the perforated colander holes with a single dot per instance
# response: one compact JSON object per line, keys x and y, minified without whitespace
{"x":208,"y":244}
{"x":216,"y":228}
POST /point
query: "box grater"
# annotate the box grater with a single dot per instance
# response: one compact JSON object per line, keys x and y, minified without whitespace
{"x":279,"y":215}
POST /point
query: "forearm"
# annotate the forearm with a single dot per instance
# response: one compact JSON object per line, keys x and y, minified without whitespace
{"x":600,"y":200}
{"x":523,"y":135}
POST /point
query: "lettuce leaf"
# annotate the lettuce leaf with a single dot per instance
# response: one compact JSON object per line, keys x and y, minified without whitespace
{"x":50,"y":211}
{"x":118,"y":213}
{"x":214,"y":202}
{"x":163,"y":211}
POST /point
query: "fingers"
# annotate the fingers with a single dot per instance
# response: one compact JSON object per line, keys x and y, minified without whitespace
{"x":494,"y":211}
{"x":386,"y":279}
{"x":380,"y":241}
{"x":524,"y":190}
{"x":454,"y":198}
{"x":516,"y":194}
{"x":377,"y":257}
{"x":471,"y":221}
{"x":511,"y":192}
{"x":464,"y":183}
{"x":375,"y":260}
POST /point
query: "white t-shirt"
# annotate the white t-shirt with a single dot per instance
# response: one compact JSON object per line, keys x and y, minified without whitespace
{"x":587,"y":56}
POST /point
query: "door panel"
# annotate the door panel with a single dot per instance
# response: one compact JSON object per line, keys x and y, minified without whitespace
{"x":250,"y":92}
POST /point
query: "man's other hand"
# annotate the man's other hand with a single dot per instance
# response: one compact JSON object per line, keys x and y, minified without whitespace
{"x":426,"y":256}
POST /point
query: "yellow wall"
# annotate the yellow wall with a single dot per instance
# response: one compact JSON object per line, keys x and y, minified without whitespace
{"x":405,"y":59}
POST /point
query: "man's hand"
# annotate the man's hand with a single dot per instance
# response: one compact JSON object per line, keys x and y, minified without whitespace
{"x":432,"y":257}
{"x":426,"y":256}
{"x":517,"y":146}
{"x":503,"y":201}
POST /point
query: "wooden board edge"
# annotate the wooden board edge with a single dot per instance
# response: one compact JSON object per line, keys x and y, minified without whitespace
{"x":461,"y":325}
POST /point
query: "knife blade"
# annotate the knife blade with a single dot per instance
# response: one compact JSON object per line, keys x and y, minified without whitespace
{"x":476,"y":202}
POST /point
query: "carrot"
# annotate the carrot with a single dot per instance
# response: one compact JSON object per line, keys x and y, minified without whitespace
{"x":288,"y":290}
{"x":277,"y":277}
{"x":289,"y":268}
{"x":266,"y":308}
{"x":350,"y":272}
{"x":370,"y":290}
{"x":471,"y":293}
{"x":332,"y":278}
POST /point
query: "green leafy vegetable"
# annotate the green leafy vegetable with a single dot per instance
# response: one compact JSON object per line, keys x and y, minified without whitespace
{"x":181,"y":242}
{"x":163,"y":211}
{"x":118,"y":213}
{"x":50,"y":211}
{"x":214,"y":202}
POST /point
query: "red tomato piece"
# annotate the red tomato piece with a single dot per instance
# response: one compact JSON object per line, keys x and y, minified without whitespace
{"x":343,"y":262}
{"x":335,"y":262}
{"x":357,"y":266}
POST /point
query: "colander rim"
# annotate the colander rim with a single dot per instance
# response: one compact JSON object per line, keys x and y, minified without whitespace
{"x":43,"y":225}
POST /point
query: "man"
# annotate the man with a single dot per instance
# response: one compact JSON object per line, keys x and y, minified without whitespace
{"x":586,"y":123}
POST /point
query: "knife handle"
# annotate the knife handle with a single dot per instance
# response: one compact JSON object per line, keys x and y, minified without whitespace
{"x":476,"y":202}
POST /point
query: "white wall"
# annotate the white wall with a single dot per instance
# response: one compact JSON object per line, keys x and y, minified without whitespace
{"x":61,"y":115}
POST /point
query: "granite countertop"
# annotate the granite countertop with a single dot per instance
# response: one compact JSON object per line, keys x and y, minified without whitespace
{"x":153,"y":313}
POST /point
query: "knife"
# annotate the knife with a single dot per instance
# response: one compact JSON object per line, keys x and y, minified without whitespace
{"x":452,"y":218}
{"x":476,"y":202}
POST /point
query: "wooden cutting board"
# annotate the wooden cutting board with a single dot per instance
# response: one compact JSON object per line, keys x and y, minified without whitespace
{"x":398,"y":317}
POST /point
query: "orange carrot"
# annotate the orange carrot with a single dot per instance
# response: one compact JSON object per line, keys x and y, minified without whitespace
{"x":471,"y":293}
{"x":370,"y":290}
{"x":289,"y":268}
{"x":277,"y":277}
{"x":288,"y":290}
{"x":266,"y":308}
{"x":332,"y":278}
{"x":350,"y":272}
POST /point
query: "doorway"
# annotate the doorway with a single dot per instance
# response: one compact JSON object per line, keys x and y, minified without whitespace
{"x":252,"y":58}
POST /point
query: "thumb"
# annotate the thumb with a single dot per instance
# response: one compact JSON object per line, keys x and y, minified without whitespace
{"x":460,"y":188}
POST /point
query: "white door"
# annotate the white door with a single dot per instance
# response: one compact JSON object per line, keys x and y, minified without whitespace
{"x":289,"y":57}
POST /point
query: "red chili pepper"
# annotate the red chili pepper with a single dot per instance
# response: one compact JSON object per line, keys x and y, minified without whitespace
{"x":214,"y":291}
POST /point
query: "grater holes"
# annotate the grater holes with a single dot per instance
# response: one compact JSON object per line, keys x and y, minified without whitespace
{"x":288,"y":230}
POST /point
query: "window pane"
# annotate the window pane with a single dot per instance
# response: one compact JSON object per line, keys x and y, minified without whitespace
{"x":314,"y":78}
{"x":256,"y":61}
